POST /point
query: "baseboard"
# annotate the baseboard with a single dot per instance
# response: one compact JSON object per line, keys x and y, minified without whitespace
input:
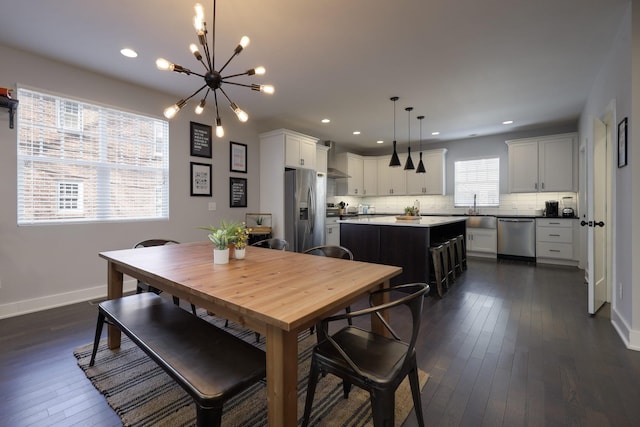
{"x":630,"y":337}
{"x":58,"y":300}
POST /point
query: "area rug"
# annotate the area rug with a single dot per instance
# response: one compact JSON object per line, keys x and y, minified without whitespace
{"x":142,"y":394}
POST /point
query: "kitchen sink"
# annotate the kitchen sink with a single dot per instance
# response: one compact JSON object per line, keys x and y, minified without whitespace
{"x":481,"y":221}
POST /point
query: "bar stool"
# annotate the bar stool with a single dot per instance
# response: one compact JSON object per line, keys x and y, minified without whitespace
{"x":449,"y":270}
{"x":462,"y":251}
{"x":454,"y":258}
{"x":438,"y":259}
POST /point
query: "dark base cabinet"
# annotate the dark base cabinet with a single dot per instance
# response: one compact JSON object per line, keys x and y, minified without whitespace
{"x":402,"y":246}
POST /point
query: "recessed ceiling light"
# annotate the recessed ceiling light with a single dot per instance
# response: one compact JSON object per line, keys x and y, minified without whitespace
{"x":129,"y":53}
{"x":435,"y":133}
{"x":326,"y":121}
{"x":507,"y":122}
{"x":380,"y":142}
{"x":356,"y":132}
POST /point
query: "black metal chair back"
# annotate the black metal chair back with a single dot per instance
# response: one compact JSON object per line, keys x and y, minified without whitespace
{"x":273,"y":243}
{"x":331,"y":251}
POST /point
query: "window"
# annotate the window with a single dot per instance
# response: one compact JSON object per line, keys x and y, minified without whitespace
{"x":79,"y":162}
{"x":479,"y":179}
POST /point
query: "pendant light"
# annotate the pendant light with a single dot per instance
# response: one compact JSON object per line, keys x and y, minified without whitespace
{"x":421,"y":168}
{"x":409,"y":164}
{"x":395,"y":161}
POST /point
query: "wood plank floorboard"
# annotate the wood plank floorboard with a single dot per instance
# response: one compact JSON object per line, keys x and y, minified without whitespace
{"x":509,"y":344}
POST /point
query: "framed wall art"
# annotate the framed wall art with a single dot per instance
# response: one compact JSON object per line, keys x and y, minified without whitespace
{"x":622,"y":143}
{"x":200,"y":179}
{"x":200,"y":138}
{"x":238,"y":157}
{"x":237,"y":192}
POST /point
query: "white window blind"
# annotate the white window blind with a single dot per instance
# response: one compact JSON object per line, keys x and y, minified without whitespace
{"x":479,"y":178}
{"x":79,"y":162}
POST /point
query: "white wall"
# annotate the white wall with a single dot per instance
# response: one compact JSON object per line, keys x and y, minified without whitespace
{"x":46,"y":266}
{"x":614,"y":84}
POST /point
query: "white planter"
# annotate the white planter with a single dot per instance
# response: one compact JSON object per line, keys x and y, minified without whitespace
{"x":240,"y":253}
{"x":221,"y":256}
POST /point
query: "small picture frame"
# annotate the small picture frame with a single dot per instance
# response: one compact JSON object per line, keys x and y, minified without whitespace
{"x":622,"y":143}
{"x":237,"y":157}
{"x":200,"y":179}
{"x":200,"y":140}
{"x":237,"y":192}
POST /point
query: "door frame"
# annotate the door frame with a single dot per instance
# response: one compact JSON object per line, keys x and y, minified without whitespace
{"x":608,"y":117}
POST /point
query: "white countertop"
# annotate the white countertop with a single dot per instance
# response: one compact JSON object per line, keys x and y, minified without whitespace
{"x":425,"y":221}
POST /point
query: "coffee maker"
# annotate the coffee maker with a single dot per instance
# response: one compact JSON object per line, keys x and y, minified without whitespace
{"x":551,"y":208}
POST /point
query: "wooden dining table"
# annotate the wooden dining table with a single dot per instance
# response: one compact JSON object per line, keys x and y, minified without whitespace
{"x":275,"y":293}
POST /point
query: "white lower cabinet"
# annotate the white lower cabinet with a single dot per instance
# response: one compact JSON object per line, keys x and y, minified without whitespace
{"x":332,"y":232}
{"x":482,"y":242}
{"x":555,"y":243}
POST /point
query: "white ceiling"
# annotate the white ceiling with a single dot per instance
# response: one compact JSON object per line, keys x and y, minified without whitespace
{"x":467,"y":65}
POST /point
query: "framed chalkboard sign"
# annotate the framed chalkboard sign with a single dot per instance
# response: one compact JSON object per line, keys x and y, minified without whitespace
{"x":200,"y":140}
{"x":237,"y":192}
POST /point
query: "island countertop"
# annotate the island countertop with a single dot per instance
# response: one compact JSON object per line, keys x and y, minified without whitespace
{"x":425,"y":221}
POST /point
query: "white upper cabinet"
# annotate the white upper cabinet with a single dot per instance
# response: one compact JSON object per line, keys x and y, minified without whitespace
{"x":392,"y":181}
{"x":321,"y":158}
{"x":300,"y":150}
{"x":431,"y":182}
{"x":369,"y":176}
{"x":542,"y":164}
{"x":351,"y":164}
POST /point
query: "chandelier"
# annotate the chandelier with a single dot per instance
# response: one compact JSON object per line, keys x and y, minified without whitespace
{"x":213,"y":79}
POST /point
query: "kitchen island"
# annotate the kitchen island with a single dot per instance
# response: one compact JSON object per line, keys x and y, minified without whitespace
{"x":403,"y":243}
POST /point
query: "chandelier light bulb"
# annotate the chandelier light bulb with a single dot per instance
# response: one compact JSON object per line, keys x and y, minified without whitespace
{"x":163,"y":64}
{"x":260,"y":70}
{"x":198,"y":20}
{"x":219,"y":128}
{"x":196,"y":52}
{"x":268,"y":89}
{"x":242,"y":116}
{"x":200,"y":107}
{"x":170,"y":112}
{"x":244,"y":41}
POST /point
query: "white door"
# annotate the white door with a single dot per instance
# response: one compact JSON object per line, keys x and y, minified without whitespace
{"x":597,"y":210}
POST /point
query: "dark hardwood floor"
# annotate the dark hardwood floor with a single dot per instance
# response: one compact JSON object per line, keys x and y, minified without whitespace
{"x":510,"y":344}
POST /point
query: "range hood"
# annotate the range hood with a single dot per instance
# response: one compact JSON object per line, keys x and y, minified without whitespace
{"x":331,"y":171}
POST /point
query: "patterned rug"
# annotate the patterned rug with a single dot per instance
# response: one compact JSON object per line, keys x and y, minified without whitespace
{"x":142,"y":394}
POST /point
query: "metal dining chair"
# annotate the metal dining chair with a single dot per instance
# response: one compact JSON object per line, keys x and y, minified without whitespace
{"x":273,"y":243}
{"x":331,"y":251}
{"x":373,"y":362}
{"x":144,"y":287}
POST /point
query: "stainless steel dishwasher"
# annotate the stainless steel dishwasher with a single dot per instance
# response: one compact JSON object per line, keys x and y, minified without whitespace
{"x":517,"y":238}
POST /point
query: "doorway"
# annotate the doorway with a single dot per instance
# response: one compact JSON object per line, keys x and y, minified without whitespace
{"x":599,"y":213}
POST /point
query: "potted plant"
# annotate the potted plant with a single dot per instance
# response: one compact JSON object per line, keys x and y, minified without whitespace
{"x":410,"y":211}
{"x":241,"y":235}
{"x":222,"y":237}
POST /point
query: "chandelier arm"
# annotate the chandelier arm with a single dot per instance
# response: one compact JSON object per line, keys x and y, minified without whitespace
{"x":215,"y":97}
{"x":239,"y":84}
{"x":225,"y":95}
{"x":194,"y":93}
{"x":227,"y":63}
{"x":246,"y":73}
{"x":196,"y":74}
{"x":205,"y":45}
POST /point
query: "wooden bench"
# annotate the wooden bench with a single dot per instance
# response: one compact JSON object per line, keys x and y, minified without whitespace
{"x":209,"y":363}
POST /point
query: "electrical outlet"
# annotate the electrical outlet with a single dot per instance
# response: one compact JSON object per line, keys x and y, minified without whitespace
{"x":212,"y":206}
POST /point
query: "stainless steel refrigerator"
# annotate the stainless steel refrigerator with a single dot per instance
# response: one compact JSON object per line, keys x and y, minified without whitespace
{"x":305,"y":206}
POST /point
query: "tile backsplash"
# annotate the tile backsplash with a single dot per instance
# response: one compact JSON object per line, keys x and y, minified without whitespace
{"x":510,"y":204}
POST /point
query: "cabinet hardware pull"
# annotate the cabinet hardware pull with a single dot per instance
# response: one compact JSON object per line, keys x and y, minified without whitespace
{"x":554,"y":235}
{"x":554,"y":250}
